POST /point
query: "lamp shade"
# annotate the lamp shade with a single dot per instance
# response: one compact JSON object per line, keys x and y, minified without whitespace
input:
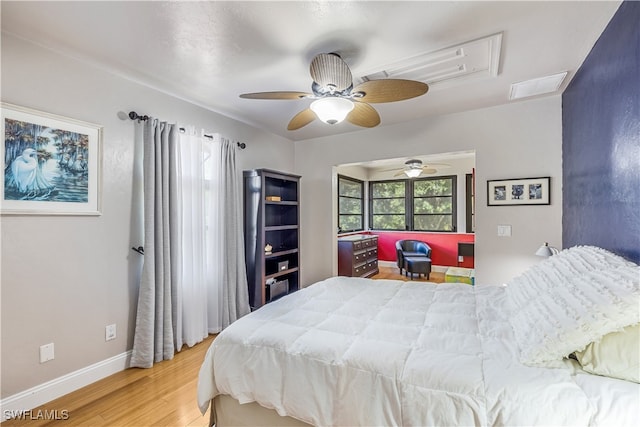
{"x":332,"y":109}
{"x":546,"y":250}
{"x":413,"y":173}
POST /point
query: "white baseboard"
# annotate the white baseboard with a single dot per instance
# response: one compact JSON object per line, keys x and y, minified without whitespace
{"x":387,"y":263}
{"x":43,"y":393}
{"x":439,"y":268}
{"x":436,"y":268}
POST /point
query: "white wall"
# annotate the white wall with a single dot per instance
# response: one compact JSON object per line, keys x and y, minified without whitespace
{"x":65,"y":278}
{"x":517,"y":140}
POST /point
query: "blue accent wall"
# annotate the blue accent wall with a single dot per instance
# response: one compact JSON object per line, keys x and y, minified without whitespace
{"x":601,"y":142}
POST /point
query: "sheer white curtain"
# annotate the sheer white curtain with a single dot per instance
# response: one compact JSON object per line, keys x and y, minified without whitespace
{"x":213,"y":279}
{"x":202,"y":255}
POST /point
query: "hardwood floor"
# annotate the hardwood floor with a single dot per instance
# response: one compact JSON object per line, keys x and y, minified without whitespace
{"x":164,"y":395}
{"x":394,"y":274}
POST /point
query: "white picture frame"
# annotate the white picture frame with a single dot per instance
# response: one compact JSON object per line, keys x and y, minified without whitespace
{"x":52,"y":165}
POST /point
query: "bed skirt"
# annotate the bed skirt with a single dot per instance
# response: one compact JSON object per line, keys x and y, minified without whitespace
{"x":226,"y":411}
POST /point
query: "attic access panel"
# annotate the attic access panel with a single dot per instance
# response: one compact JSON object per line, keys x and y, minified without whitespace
{"x":478,"y":58}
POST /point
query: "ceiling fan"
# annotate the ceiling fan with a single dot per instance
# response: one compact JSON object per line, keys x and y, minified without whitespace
{"x":414,"y":168}
{"x":336,"y":99}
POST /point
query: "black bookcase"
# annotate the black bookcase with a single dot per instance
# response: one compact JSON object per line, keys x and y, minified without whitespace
{"x":271,"y":217}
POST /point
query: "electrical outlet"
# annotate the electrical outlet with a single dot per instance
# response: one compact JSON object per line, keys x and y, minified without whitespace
{"x":46,"y":353}
{"x":110,"y":332}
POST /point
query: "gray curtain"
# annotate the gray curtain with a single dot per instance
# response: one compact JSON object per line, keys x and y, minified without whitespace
{"x":235,"y":295}
{"x":158,"y":297}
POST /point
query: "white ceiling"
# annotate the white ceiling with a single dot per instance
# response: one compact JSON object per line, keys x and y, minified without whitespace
{"x":210,"y":52}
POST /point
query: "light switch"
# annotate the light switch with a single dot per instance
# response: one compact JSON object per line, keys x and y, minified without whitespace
{"x":504,"y":231}
{"x":46,"y":353}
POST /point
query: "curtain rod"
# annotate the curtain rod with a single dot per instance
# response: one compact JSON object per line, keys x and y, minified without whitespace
{"x":135,"y":116}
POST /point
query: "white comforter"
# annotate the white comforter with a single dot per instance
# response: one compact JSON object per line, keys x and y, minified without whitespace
{"x":349,"y":351}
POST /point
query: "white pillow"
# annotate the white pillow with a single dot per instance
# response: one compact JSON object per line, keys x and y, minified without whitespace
{"x":616,"y":355}
{"x":561,"y":305}
{"x":560,"y":269}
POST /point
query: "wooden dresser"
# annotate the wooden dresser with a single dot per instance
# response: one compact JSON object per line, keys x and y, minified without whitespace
{"x":358,"y":255}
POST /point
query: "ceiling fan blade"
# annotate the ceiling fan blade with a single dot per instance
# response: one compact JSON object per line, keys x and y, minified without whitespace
{"x":399,"y":173}
{"x":363,"y":115}
{"x":276,"y":95}
{"x":301,"y":119}
{"x":329,"y":69}
{"x":429,"y":168}
{"x":429,"y":171}
{"x":391,"y":170}
{"x":390,"y":90}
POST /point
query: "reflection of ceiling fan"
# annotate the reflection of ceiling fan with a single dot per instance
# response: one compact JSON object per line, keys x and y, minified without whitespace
{"x":336,"y":99}
{"x":415,"y":168}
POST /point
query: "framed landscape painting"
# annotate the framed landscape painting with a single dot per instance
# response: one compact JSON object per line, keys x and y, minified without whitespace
{"x":522,"y":191}
{"x":51,"y":164}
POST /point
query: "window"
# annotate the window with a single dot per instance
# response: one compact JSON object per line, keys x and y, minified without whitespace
{"x":470,"y":204}
{"x":350,"y":204}
{"x":434,"y":204}
{"x":427,"y":204}
{"x":388,"y":205}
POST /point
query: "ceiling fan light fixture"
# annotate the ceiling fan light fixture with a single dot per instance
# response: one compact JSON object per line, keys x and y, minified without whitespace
{"x":413,"y":173}
{"x":332,"y":110}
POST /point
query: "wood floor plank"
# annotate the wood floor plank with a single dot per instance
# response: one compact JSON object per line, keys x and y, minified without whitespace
{"x":393,"y":273}
{"x":164,"y":395}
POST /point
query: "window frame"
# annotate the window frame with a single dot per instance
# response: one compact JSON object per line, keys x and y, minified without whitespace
{"x":371,"y":200}
{"x":454,"y":202}
{"x":361,"y":198}
{"x":410,"y":205}
{"x":470,"y":200}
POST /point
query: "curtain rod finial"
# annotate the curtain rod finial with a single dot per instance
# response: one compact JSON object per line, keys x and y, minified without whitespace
{"x":134,"y":116}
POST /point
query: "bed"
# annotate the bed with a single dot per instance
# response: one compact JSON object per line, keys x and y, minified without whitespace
{"x":557,"y":345}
